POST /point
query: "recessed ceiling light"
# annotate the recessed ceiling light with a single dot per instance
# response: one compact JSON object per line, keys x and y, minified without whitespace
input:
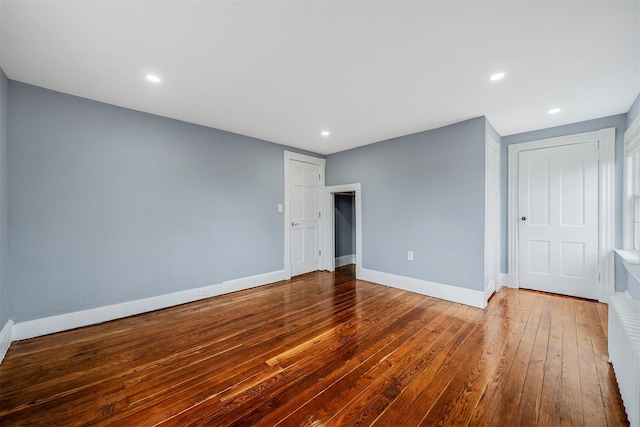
{"x":496,"y":77}
{"x":153,"y":78}
{"x":325,"y":133}
{"x":554,"y":111}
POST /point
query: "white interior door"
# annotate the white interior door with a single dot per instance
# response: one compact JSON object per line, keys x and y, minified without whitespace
{"x":304,"y":217}
{"x":558,"y":220}
{"x":492,"y":206}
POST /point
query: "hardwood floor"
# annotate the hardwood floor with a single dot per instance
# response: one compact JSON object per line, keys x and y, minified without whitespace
{"x":324,"y":350}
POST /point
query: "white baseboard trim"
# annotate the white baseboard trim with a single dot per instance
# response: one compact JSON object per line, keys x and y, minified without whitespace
{"x":77,"y":319}
{"x":503,"y":279}
{"x":252,"y":281}
{"x":489,"y":291}
{"x":345,"y":260}
{"x":624,"y":294}
{"x":5,"y":338}
{"x":512,"y":280}
{"x":432,"y":289}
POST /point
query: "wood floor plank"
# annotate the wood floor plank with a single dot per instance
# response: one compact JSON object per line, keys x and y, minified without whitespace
{"x":323,"y":349}
{"x":593,"y":406}
{"x":317,"y":401}
{"x":262,"y":413}
{"x":528,"y":409}
{"x":120,"y":354}
{"x":399,"y":370}
{"x":232,"y":360}
{"x":301,"y":376}
{"x":550,"y":412}
{"x":229,"y":408}
{"x":213,"y":390}
{"x":572,"y":393}
{"x":614,"y":410}
{"x":457,"y":403}
{"x":411,"y":406}
{"x":502,"y":394}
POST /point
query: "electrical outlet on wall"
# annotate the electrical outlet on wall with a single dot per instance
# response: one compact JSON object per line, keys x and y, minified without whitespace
{"x":410,"y":255}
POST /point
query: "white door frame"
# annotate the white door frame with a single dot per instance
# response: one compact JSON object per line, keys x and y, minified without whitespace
{"x":329,"y":225}
{"x":606,"y":196}
{"x":288,"y":156}
{"x":491,"y":144}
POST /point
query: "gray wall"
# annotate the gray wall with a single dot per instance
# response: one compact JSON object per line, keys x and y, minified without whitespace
{"x":108,"y":205}
{"x":423,"y":193}
{"x":344,"y":225}
{"x":5,"y":308}
{"x":618,"y":121}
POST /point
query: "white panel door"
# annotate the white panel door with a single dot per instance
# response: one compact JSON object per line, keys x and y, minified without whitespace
{"x":304,"y":216}
{"x":492,"y":206}
{"x":558,"y":220}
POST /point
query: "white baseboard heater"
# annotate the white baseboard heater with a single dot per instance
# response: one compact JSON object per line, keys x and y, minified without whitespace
{"x":624,"y":352}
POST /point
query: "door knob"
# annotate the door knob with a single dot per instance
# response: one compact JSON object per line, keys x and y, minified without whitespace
{"x":524,"y":218}
{"x":293,"y":224}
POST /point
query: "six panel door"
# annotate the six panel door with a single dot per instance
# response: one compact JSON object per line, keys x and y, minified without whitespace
{"x":558,"y":220}
{"x":304,"y":217}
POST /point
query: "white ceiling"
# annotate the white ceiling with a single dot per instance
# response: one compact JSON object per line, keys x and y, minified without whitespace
{"x":365,"y":70}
